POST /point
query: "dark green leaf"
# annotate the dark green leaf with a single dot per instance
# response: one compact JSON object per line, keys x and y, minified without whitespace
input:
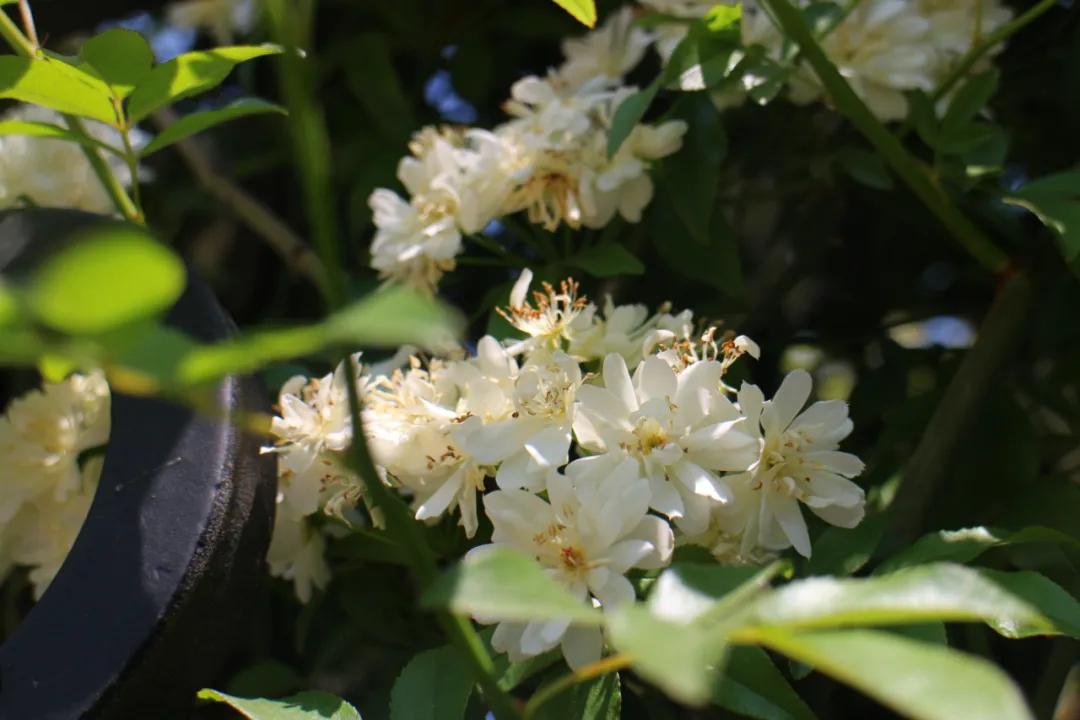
{"x":435,"y":685}
{"x":597,"y":699}
{"x":691,"y":176}
{"x":963,"y":546}
{"x":518,"y":672}
{"x":269,"y":678}
{"x":606,"y":260}
{"x":505,"y":584}
{"x":629,"y":114}
{"x":923,"y":117}
{"x":189,"y":74}
{"x":970,"y":99}
{"x":584,"y":11}
{"x":198,"y":121}
{"x":865,"y":167}
{"x":716,"y":264}
{"x":119,"y":57}
{"x":1041,"y":593}
{"x":1055,"y":200}
{"x":917,"y":680}
{"x":310,"y":705}
{"x":752,"y":686}
{"x":57,"y":86}
{"x":840,"y":551}
{"x":112,"y":276}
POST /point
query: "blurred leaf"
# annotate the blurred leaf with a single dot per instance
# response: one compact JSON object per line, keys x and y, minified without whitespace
{"x":915,"y":679}
{"x":865,"y":167}
{"x":723,"y":17}
{"x":923,"y":117}
{"x":57,"y":86}
{"x":584,"y":11}
{"x":752,"y":686}
{"x":435,"y":685}
{"x":681,"y":659}
{"x":507,"y":585}
{"x":606,"y":260}
{"x":1055,"y":200}
{"x":310,"y":705}
{"x":373,"y":80}
{"x":599,"y":698}
{"x":924,"y":632}
{"x":686,"y":590}
{"x":518,"y":672}
{"x":821,"y":16}
{"x":965,"y":545}
{"x":189,"y":74}
{"x":29,"y":128}
{"x":198,"y":121}
{"x":110,"y":277}
{"x":120,"y":57}
{"x":716,"y":264}
{"x":9,"y":306}
{"x":269,"y":678}
{"x":1044,"y":595}
{"x":918,"y":594}
{"x":629,"y":114}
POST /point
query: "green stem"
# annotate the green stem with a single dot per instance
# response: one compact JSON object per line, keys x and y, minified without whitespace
{"x":132,"y":159}
{"x":905,"y":165}
{"x":15,"y":38}
{"x":112,"y":185}
{"x":613,"y":663}
{"x":404,"y":529}
{"x":992,"y":40}
{"x":291,"y":24}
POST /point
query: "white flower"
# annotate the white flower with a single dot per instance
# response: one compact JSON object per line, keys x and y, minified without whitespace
{"x":558,"y":157}
{"x":296,"y":554}
{"x":548,"y":319}
{"x":586,"y":538}
{"x":680,"y":429}
{"x":456,"y":185}
{"x":956,"y":24}
{"x":224,"y":19}
{"x":55,"y":173}
{"x":798,"y":462}
{"x":609,"y":52}
{"x":47,"y":481}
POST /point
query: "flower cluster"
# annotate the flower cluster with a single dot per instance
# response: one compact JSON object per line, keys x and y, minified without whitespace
{"x":50,"y":442}
{"x":594,"y":444}
{"x":549,"y":160}
{"x":49,"y":172}
{"x":883,"y":48}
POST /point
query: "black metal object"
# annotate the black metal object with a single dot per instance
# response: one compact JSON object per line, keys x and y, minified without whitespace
{"x":146,"y":605}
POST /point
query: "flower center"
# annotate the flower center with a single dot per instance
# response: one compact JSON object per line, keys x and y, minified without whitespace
{"x":650,"y":434}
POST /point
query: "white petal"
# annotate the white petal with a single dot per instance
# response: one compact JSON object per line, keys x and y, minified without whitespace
{"x":521,"y":288}
{"x":627,"y":554}
{"x":658,"y":534}
{"x":656,"y":379}
{"x":617,"y":381}
{"x":787,"y":513}
{"x":550,"y":448}
{"x":787,"y":402}
{"x":582,"y":646}
{"x":617,"y":591}
{"x":845,"y":517}
{"x":437,"y":504}
{"x":542,"y":635}
{"x":702,"y":482}
{"x":841,"y":463}
{"x":665,"y":498}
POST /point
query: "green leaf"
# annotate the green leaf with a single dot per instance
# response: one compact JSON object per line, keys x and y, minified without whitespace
{"x":9,"y":306}
{"x":716,"y":264}
{"x":55,"y":85}
{"x":865,"y":167}
{"x":271,"y":678}
{"x":1041,"y":593}
{"x":29,"y":128}
{"x":917,"y":680}
{"x":970,"y":99}
{"x":722,"y":17}
{"x":505,"y":584}
{"x":691,"y":177}
{"x":607,"y":260}
{"x":963,"y":546}
{"x":198,"y":121}
{"x":1055,"y":200}
{"x":122,"y":58}
{"x":752,"y":686}
{"x":686,"y":590}
{"x":310,"y":705}
{"x":435,"y":685}
{"x":112,"y":276}
{"x":629,"y":114}
{"x":918,"y":594}
{"x":679,"y":658}
{"x":599,"y":698}
{"x":584,"y":11}
{"x":843,"y":551}
{"x":189,"y":74}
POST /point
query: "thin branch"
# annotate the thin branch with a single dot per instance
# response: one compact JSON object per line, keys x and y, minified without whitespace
{"x":112,"y":185}
{"x":296,"y":253}
{"x":28,"y":23}
{"x":905,"y":165}
{"x":15,"y":38}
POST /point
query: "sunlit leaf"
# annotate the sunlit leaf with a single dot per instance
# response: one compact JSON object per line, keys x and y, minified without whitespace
{"x":29,"y":128}
{"x":55,"y":85}
{"x":310,"y":705}
{"x":508,"y":585}
{"x":189,"y":74}
{"x":119,"y":57}
{"x":435,"y":685}
{"x":1055,"y":200}
{"x":967,"y":544}
{"x":1041,"y":593}
{"x":198,"y":121}
{"x":112,"y":276}
{"x":918,"y":594}
{"x":917,"y":680}
{"x":584,"y":11}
